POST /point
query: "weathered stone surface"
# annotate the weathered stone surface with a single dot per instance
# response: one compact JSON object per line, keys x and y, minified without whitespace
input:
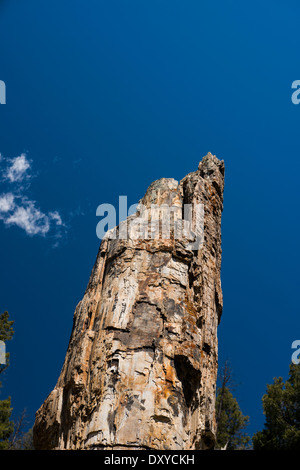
{"x":140,"y":370}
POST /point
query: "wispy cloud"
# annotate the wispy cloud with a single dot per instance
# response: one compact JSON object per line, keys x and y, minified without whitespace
{"x":17,"y":169}
{"x":17,"y":208}
{"x":6,"y":202}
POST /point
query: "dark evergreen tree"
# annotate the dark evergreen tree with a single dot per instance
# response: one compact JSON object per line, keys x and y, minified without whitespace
{"x":6,"y":425}
{"x":231,"y":423}
{"x":281,"y":405}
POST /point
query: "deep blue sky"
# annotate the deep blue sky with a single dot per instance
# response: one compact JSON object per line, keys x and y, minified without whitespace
{"x":105,"y":97}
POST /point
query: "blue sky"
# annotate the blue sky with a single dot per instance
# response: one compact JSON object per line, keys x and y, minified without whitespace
{"x":102,"y":98}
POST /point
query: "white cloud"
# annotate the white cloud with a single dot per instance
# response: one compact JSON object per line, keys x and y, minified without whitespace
{"x":29,"y":218}
{"x":22,"y":212}
{"x":17,"y":170}
{"x":55,"y":216}
{"x":6,"y":202}
{"x":16,"y":208}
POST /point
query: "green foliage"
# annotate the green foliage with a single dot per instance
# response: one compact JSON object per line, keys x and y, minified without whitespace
{"x":6,"y":425}
{"x":231,"y":422}
{"x":12,"y":434}
{"x":281,"y":406}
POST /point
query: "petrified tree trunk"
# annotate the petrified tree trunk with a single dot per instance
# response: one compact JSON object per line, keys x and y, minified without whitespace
{"x":140,"y":370}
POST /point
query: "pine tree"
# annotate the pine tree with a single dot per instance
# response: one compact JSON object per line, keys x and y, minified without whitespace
{"x":281,"y":405}
{"x":6,"y":425}
{"x":231,"y":423}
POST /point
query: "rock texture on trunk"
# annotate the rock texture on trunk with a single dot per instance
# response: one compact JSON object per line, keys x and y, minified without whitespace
{"x":141,"y":365}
